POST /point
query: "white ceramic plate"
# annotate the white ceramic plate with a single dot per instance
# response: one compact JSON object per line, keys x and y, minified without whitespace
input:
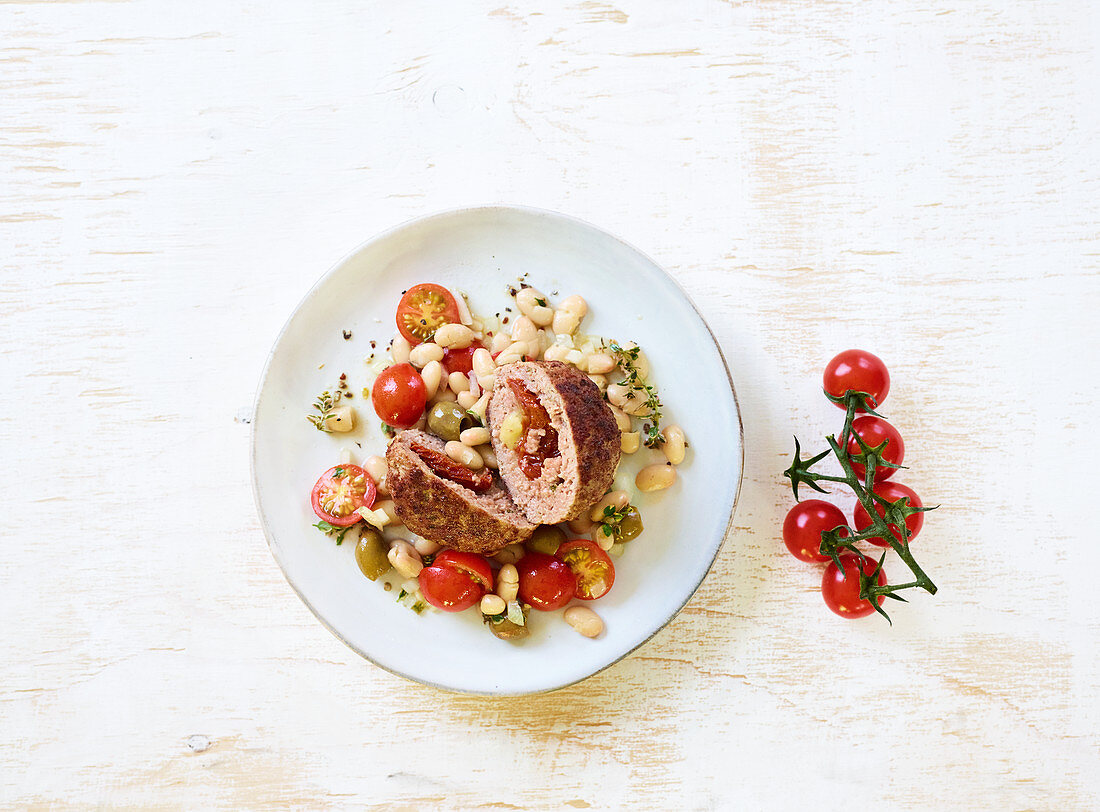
{"x":481,"y":251}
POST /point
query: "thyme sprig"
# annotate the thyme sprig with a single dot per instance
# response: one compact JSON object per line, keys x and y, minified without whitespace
{"x":894,"y":514}
{"x":611,"y":521}
{"x":627,"y":358}
{"x":325,"y":403}
{"x":333,"y":530}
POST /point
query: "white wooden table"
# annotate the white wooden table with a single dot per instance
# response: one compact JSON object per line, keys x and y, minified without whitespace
{"x":919,"y":179}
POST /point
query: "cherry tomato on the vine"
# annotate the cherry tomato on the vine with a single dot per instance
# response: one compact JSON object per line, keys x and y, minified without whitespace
{"x":804,"y":525}
{"x":399,"y":395}
{"x":340,"y":491}
{"x":874,"y":431}
{"x":423,"y":309}
{"x":593,"y":567}
{"x":545,"y":582}
{"x":455,"y":580}
{"x":891,"y":491}
{"x":860,"y":371}
{"x":840,"y":588}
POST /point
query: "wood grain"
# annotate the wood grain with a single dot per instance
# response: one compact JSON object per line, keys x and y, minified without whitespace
{"x":916,"y":178}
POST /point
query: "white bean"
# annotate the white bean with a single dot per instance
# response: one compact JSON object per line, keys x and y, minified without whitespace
{"x":627,"y":399}
{"x":655,"y":477}
{"x":527,"y":299}
{"x":489,"y":456}
{"x":421,"y":354}
{"x":542,"y":316}
{"x":431,"y":374}
{"x":467,"y":400}
{"x":400,"y":349}
{"x":616,"y":500}
{"x":622,"y":419}
{"x":454,"y":336}
{"x":457,"y":382}
{"x":404,"y":558}
{"x":483,"y":363}
{"x":675,"y":444}
{"x":556,"y":353}
{"x":603,"y":541}
{"x":501,"y":341}
{"x":564,"y":322}
{"x":474,"y":437}
{"x":508,"y":582}
{"x":584,"y":620}
{"x":575,"y":305}
{"x":376,"y":466}
{"x":600,"y":363}
{"x":487,"y":382}
{"x":464,"y":455}
{"x":523,"y":329}
{"x":630,"y":441}
{"x":444,"y":394}
{"x":493,"y":605}
{"x":341,"y":419}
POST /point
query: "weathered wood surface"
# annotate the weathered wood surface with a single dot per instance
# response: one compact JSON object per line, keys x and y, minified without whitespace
{"x":920,"y":179}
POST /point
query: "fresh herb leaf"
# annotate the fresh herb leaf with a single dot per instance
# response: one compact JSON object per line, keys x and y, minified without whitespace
{"x":333,"y":530}
{"x":324,"y":405}
{"x":627,"y":359}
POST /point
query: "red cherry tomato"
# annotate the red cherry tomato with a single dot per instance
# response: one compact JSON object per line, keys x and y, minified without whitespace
{"x":340,"y":491}
{"x":461,"y":360}
{"x":455,"y":581}
{"x":874,"y":431}
{"x":804,"y":525}
{"x":423,"y":309}
{"x":399,"y":395}
{"x":891,"y":491}
{"x":840,"y":588}
{"x":545,"y":582}
{"x":592,"y":567}
{"x":858,"y":370}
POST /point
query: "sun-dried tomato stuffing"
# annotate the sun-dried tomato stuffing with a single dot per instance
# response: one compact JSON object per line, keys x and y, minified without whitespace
{"x":535,"y":417}
{"x":444,"y":466}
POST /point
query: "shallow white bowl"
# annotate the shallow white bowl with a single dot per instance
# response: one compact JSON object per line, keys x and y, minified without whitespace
{"x":481,"y":251}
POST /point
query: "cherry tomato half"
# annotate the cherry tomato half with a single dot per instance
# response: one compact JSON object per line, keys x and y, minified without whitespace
{"x":455,"y":581}
{"x":423,"y":309}
{"x":891,"y":491}
{"x":399,"y":395}
{"x":840,"y":588}
{"x":804,"y":525}
{"x":461,"y":360}
{"x":545,"y":582}
{"x":860,"y":371}
{"x":592,"y":567}
{"x":340,"y":491}
{"x":874,"y":431}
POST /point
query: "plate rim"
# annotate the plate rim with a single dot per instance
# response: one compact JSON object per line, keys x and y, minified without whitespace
{"x":384,"y":234}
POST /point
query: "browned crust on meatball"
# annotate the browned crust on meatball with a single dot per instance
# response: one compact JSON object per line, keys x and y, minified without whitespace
{"x":445,"y":512}
{"x":587,"y":430}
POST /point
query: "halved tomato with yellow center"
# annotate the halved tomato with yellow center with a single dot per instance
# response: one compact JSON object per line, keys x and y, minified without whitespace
{"x":592,"y":566}
{"x":423,"y":309}
{"x":341,"y":491}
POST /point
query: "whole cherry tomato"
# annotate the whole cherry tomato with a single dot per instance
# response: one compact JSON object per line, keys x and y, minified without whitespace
{"x":840,"y":587}
{"x":455,"y":580}
{"x":399,"y":395}
{"x":545,"y":582}
{"x":891,"y":491}
{"x":804,"y":525}
{"x":874,"y":431}
{"x":860,"y":371}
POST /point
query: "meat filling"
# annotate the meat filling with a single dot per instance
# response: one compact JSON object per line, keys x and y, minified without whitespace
{"x":444,"y":466}
{"x":540,"y":439}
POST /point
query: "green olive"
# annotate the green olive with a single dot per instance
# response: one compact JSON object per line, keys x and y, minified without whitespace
{"x":448,"y":420}
{"x":546,"y":539}
{"x":370,"y":554}
{"x":507,"y":630}
{"x":631,"y":526}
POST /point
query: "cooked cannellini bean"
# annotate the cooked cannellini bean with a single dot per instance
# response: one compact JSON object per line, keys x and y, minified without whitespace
{"x":486,"y":382}
{"x":493,"y":605}
{"x":390,"y":509}
{"x":501,"y":341}
{"x":542,"y":316}
{"x":421,"y":354}
{"x":454,"y":336}
{"x":474,"y":437}
{"x":584,"y":620}
{"x":457,"y":382}
{"x":341,"y":419}
{"x":444,"y":394}
{"x":510,"y":554}
{"x":630,"y":441}
{"x":404,"y":558}
{"x":565,"y":323}
{"x":655,"y":477}
{"x":489,"y":456}
{"x":603,"y":541}
{"x":581,"y":525}
{"x":641,"y":363}
{"x":600,"y":381}
{"x":622,"y":419}
{"x":627,"y":399}
{"x":600,"y":363}
{"x":575,"y":305}
{"x":508,"y":582}
{"x":464,"y":455}
{"x":400,"y":349}
{"x":466,"y":400}
{"x":426,"y":546}
{"x":431,"y":374}
{"x":675,"y":444}
{"x":527,"y":299}
{"x":482,"y":362}
{"x":556,"y":353}
{"x":615,"y":500}
{"x":523,"y":329}
{"x":376,"y":466}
